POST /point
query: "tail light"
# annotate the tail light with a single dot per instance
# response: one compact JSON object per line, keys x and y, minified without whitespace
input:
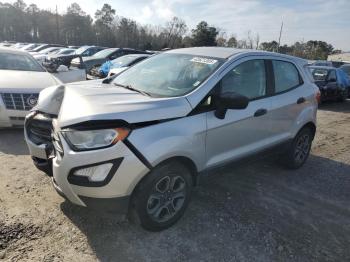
{"x":318,"y":97}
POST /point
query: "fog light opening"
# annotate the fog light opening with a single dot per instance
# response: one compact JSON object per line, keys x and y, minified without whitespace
{"x":95,"y":173}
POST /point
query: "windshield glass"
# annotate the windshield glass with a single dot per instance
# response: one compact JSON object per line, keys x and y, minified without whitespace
{"x":48,"y":50}
{"x":104,"y":53}
{"x":65,"y":51}
{"x":81,"y":50}
{"x":38,"y":48}
{"x":168,"y":75}
{"x":123,"y":61}
{"x":319,"y":74}
{"x":19,"y":62}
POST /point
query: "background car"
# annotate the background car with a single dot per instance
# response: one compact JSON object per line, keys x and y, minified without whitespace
{"x":29,"y":47}
{"x":346,"y":69}
{"x":322,"y":63}
{"x":21,"y":80}
{"x":117,"y":65}
{"x":65,"y":59}
{"x":41,"y":55}
{"x":332,"y":82}
{"x":99,"y":58}
{"x":44,"y":46}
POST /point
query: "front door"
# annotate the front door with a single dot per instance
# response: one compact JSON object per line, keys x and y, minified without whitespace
{"x":244,"y":131}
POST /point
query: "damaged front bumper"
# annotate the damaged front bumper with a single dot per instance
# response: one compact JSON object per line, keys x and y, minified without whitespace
{"x":61,"y":162}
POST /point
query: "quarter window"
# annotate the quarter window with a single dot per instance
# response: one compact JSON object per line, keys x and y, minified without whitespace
{"x":247,"y":79}
{"x":286,"y":76}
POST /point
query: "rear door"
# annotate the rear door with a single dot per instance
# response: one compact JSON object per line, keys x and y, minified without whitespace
{"x":245,"y":131}
{"x":291,"y":97}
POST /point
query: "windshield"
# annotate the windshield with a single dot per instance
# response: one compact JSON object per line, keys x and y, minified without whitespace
{"x":319,"y":74}
{"x":38,"y":48}
{"x":123,"y":61}
{"x":104,"y":53}
{"x":48,"y":50}
{"x":169,"y":75}
{"x":19,"y":62}
{"x":81,"y":50}
{"x":65,"y":51}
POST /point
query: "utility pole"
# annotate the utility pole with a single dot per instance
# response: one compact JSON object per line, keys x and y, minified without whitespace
{"x":57,"y":27}
{"x":279,"y":39}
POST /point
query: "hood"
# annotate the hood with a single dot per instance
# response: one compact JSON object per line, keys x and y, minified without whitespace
{"x":25,"y":81}
{"x":93,"y":100}
{"x":118,"y":70}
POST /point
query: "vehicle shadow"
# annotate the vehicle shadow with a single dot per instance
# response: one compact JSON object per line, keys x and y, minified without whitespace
{"x":258,"y":211}
{"x":343,"y":107}
{"x":12,"y":142}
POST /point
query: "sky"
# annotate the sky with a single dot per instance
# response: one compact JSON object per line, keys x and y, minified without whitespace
{"x":326,"y":20}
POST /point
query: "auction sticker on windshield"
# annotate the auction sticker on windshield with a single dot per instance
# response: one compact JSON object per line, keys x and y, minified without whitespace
{"x":203,"y":60}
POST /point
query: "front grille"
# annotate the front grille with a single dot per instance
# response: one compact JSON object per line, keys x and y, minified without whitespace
{"x":16,"y":101}
{"x":39,"y":129}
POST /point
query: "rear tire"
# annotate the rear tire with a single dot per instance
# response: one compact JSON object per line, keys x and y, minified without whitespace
{"x":299,"y":150}
{"x":162,"y":196}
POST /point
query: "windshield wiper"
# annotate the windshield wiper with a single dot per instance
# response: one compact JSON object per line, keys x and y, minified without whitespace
{"x":129,"y":87}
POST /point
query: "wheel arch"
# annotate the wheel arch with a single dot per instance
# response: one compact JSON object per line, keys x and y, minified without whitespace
{"x":312,"y":127}
{"x":187,"y":162}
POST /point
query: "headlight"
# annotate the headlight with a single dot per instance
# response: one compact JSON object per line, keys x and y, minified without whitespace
{"x":94,"y":139}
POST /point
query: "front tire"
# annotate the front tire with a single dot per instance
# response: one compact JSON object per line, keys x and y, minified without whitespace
{"x":162,"y":197}
{"x":299,"y":150}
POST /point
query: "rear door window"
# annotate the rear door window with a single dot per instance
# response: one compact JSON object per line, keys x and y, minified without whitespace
{"x":286,"y":76}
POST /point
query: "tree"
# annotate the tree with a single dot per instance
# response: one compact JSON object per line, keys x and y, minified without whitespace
{"x":204,"y":35}
{"x":269,"y":46}
{"x":174,"y":30}
{"x":105,"y":16}
{"x":103,"y":25}
{"x":221,"y":41}
{"x":232,"y":42}
{"x":75,"y":9}
{"x":32,"y":13}
{"x":76,"y":26}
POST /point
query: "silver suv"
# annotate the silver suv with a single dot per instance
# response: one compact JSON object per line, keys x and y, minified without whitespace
{"x":139,"y":141}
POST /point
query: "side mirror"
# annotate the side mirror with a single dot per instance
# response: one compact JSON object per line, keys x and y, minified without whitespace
{"x":229,"y":100}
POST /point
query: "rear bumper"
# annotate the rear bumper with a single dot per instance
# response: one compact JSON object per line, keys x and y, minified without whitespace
{"x":329,"y":94}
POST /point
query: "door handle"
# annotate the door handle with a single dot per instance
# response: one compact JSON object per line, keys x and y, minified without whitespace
{"x":260,"y":112}
{"x":301,"y":100}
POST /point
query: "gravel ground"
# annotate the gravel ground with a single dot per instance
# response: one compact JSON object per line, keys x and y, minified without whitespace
{"x":255,"y":212}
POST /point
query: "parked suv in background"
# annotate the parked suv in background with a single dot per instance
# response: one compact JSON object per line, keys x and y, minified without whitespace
{"x":333,"y":83}
{"x":65,"y":59}
{"x":96,"y":60}
{"x":139,"y":142}
{"x":21,"y":80}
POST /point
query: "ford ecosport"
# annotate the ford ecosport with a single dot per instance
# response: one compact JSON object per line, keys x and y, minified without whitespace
{"x":140,"y":140}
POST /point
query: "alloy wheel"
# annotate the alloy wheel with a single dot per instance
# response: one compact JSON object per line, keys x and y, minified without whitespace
{"x":167,"y":198}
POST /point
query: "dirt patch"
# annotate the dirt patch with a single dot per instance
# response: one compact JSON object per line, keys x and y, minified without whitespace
{"x":15,"y":232}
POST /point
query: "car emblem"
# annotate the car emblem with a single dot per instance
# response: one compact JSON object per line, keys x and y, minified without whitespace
{"x":32,"y":100}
